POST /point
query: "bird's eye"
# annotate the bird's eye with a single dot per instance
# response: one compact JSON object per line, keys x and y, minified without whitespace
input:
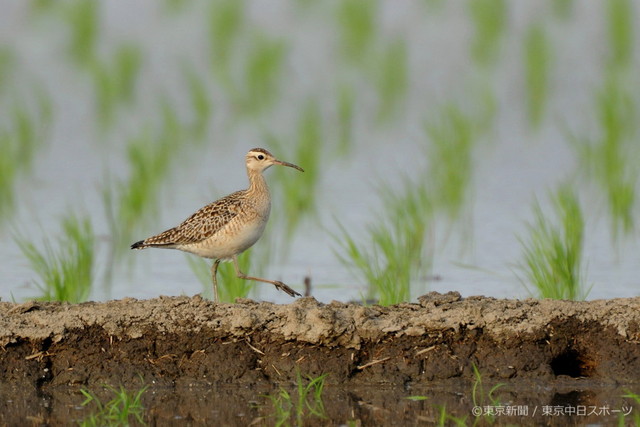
{"x":260,"y":157}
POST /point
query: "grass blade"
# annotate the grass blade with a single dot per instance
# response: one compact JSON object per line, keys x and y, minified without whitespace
{"x":552,"y":253}
{"x":65,"y":270}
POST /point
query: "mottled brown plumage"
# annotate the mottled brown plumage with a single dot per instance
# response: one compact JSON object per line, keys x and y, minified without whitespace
{"x":229,"y":226}
{"x":202,"y":224}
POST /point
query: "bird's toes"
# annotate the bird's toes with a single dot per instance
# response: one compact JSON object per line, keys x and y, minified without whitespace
{"x":287,"y":289}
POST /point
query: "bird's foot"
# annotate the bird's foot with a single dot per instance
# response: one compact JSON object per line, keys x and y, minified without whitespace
{"x":286,"y":289}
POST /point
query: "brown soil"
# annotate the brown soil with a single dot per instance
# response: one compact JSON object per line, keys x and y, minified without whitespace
{"x":191,"y":342}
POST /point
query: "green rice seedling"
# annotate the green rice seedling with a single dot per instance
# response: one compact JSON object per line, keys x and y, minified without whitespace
{"x":614,"y":156}
{"x":226,"y":21}
{"x":610,"y":159}
{"x":262,"y":73}
{"x":620,"y":31}
{"x":447,"y":419}
{"x":202,"y":270}
{"x":148,"y":164}
{"x":105,"y":95}
{"x":8,"y":174}
{"x":537,"y":58}
{"x":388,"y":281}
{"x":7,"y":61}
{"x":114,"y":81}
{"x":394,"y":251}
{"x":127,"y":62}
{"x":414,"y":204}
{"x":480,"y":397}
{"x":417,"y":398}
{"x":310,"y":396}
{"x":452,"y":136}
{"x":552,"y":253}
{"x":230,"y":286}
{"x":65,"y":270}
{"x":622,"y":200}
{"x":299,"y":195}
{"x":357,"y":22}
{"x":391,"y":78}
{"x":282,"y":405}
{"x":623,"y":419}
{"x":18,"y":144}
{"x":305,"y":403}
{"x":82,"y":17}
{"x":200,"y":104}
{"x":172,"y":131}
{"x":124,"y":409}
{"x":490,"y":21}
{"x":25,"y":132}
{"x":345,"y":112}
{"x":128,"y":202}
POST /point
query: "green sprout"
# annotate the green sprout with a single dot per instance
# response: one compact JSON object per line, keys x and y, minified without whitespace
{"x":553,"y":252}
{"x":394,"y":251}
{"x":537,"y":63}
{"x":230,"y":286}
{"x":125,"y":408}
{"x":490,"y":21}
{"x":357,"y":21}
{"x":306,"y":402}
{"x":65,"y":269}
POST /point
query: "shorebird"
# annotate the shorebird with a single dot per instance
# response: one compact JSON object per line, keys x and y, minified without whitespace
{"x":229,"y":226}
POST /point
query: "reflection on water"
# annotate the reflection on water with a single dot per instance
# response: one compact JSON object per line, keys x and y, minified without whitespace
{"x":510,"y":405}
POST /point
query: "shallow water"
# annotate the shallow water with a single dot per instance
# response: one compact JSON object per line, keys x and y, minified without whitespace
{"x":355,"y":406}
{"x":512,"y":164}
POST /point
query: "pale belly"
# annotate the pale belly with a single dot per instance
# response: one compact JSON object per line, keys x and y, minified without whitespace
{"x":232,"y":240}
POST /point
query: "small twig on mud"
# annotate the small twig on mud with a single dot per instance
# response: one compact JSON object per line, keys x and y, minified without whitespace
{"x":34,"y":355}
{"x":255,"y":349}
{"x":275,"y":369}
{"x":371,"y":406}
{"x":425,"y":350}
{"x":39,"y":355}
{"x":166,"y":356}
{"x":257,"y":420}
{"x":374,"y":362}
{"x":36,"y":420}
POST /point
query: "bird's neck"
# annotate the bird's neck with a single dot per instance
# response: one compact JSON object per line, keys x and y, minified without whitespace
{"x":257,"y":183}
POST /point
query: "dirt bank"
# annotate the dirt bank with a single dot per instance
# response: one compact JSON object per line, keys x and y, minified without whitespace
{"x":189,"y":341}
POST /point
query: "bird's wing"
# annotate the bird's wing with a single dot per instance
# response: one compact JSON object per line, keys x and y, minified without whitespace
{"x":203,"y":224}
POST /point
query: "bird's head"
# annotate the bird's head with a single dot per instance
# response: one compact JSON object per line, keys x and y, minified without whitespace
{"x":259,"y":159}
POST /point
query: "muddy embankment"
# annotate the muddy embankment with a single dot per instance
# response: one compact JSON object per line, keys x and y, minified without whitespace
{"x":181,"y":341}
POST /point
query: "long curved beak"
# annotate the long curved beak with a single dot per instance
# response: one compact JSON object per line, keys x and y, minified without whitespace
{"x":291,"y":165}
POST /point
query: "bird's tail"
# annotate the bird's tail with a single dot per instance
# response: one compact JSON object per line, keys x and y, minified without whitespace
{"x":139,"y":245}
{"x":166,"y":239}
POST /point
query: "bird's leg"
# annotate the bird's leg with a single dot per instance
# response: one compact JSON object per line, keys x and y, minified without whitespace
{"x":276,"y":283}
{"x":214,"y":272}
